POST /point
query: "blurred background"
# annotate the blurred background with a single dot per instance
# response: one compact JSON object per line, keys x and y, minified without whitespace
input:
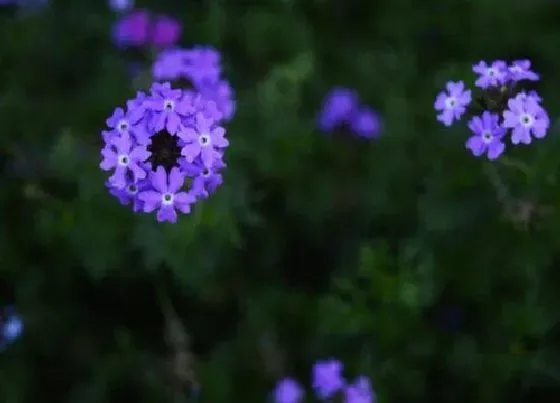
{"x":433,"y":273}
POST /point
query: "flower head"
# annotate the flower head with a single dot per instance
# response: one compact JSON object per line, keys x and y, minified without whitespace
{"x":365,"y":122}
{"x":11,"y":326}
{"x":132,"y":29}
{"x":288,"y":391}
{"x":327,"y":378}
{"x":487,"y":136}
{"x":452,"y":103}
{"x":525,"y":117}
{"x":165,"y":31}
{"x":155,"y":143}
{"x":338,"y":107}
{"x":359,"y":392}
{"x":492,"y":75}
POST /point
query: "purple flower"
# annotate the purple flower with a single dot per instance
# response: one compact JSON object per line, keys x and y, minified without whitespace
{"x":491,"y":76}
{"x":205,"y":180}
{"x":327,"y":378}
{"x":487,"y":136}
{"x":129,"y":122}
{"x":168,"y":107}
{"x":365,"y":122}
{"x":521,"y":70}
{"x":11,"y":326}
{"x":359,"y":392}
{"x":525,"y":117}
{"x":132,"y":29}
{"x":288,"y":391}
{"x":452,"y":103}
{"x":129,"y":193}
{"x":170,"y":65}
{"x":125,"y":156}
{"x":166,"y":195}
{"x":205,"y":139}
{"x":221,"y":93}
{"x":121,"y":5}
{"x":203,"y":63}
{"x":337,"y":108}
{"x":165,"y":31}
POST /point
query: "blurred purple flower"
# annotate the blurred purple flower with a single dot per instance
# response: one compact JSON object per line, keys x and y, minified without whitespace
{"x":337,"y":108}
{"x":132,"y":29}
{"x":121,"y":5}
{"x":327,"y":378}
{"x":288,"y":391}
{"x":165,"y":31}
{"x":365,"y":122}
{"x":521,"y":70}
{"x":359,"y":392}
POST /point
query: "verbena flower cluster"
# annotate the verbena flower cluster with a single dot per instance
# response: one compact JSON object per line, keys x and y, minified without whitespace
{"x":327,"y":383}
{"x":342,"y":107}
{"x":11,"y":326}
{"x":199,"y":68}
{"x":505,"y":104}
{"x":164,"y":151}
{"x":139,"y":29}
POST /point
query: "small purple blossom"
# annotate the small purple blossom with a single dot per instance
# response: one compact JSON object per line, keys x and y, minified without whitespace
{"x":205,"y":139}
{"x":491,"y":76}
{"x":327,"y":378}
{"x":288,"y":391}
{"x":452,"y":103}
{"x":525,"y":117}
{"x":365,"y":122}
{"x":337,"y":108}
{"x":168,"y":107}
{"x":203,"y":63}
{"x":204,"y":180}
{"x":165,"y":195}
{"x":124,"y":156}
{"x":129,"y":122}
{"x":487,"y":136}
{"x":521,"y":70}
{"x":359,"y":392}
{"x":128,"y":194}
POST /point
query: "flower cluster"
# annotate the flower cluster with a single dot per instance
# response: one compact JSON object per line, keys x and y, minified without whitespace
{"x":161,"y":143}
{"x":505,"y":105}
{"x":138,"y":28}
{"x":199,"y":68}
{"x":342,"y":107}
{"x":327,"y":382}
{"x":11,"y":327}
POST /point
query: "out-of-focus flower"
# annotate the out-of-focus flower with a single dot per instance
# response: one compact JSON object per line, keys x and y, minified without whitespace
{"x":359,"y":392}
{"x":487,"y":136}
{"x":337,"y":108}
{"x":138,"y":28}
{"x":11,"y":326}
{"x":452,"y":103}
{"x":288,"y":391}
{"x":142,"y":150}
{"x":121,"y":5}
{"x":132,"y":29}
{"x":525,"y":117}
{"x":327,"y":378}
{"x":165,"y":31}
{"x":201,"y":67}
{"x":365,"y":122}
{"x":491,"y":76}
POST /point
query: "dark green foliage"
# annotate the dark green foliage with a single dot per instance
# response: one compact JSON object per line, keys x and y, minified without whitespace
{"x":432,"y":272}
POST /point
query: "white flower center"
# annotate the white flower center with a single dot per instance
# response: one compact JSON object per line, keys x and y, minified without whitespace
{"x":167,"y":199}
{"x":204,"y":140}
{"x":123,"y":160}
{"x":132,"y":189}
{"x":526,"y":120}
{"x":491,"y":72}
{"x":450,"y":103}
{"x":487,"y":137}
{"x":168,"y":105}
{"x":122,"y":126}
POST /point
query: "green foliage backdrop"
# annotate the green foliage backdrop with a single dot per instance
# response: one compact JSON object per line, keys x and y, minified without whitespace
{"x":431,"y":271}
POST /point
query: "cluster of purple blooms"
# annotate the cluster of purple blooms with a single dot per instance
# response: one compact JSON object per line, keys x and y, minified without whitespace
{"x":342,"y":107}
{"x":164,"y":151}
{"x":504,"y":104}
{"x":199,"y":68}
{"x":327,"y":383}
{"x":11,"y":326}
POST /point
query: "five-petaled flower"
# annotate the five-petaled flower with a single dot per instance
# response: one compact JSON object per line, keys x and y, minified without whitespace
{"x":525,"y":117}
{"x":452,"y":103}
{"x":487,"y":136}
